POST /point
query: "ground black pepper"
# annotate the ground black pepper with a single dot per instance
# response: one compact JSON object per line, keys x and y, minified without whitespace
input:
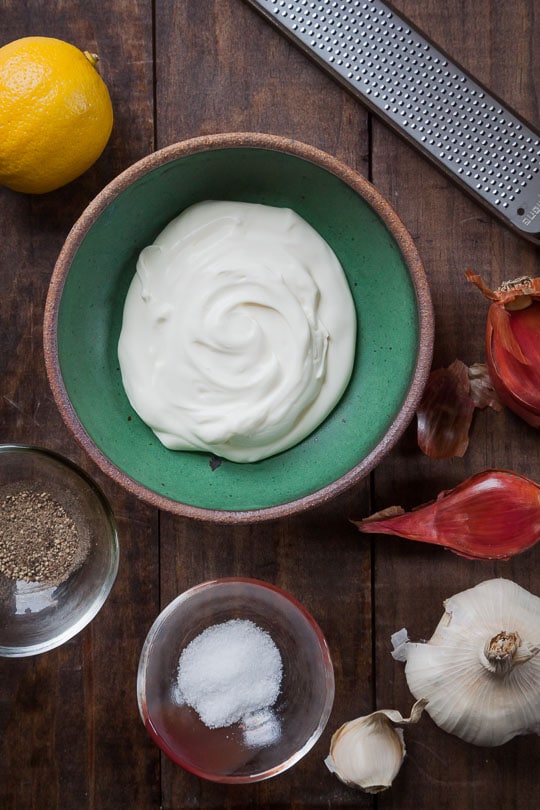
{"x":39,"y":541}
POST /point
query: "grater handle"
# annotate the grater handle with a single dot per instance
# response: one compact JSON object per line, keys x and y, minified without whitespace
{"x":415,"y":88}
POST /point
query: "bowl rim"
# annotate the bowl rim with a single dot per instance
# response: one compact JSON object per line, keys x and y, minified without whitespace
{"x":238,"y":140}
{"x":112,"y":571}
{"x":166,"y":613}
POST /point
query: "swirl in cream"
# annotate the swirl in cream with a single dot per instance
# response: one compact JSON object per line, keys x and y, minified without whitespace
{"x":238,"y":331}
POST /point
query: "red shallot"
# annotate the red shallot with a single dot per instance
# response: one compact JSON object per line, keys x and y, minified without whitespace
{"x":513,"y":343}
{"x":491,"y":515}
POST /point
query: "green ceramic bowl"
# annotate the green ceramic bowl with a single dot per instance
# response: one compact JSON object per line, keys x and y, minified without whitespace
{"x":84,"y":311}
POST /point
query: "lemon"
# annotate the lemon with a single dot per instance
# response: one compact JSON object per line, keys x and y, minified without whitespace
{"x":55,"y":114}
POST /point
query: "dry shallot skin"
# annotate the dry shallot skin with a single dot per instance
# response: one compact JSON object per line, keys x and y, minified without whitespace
{"x":445,"y":412}
{"x":513,"y":344}
{"x":492,"y":515}
{"x":481,"y":388}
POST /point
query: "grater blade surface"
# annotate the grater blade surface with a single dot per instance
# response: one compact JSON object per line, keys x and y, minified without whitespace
{"x":415,"y":88}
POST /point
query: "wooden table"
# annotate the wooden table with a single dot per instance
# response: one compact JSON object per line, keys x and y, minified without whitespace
{"x":71,"y":736}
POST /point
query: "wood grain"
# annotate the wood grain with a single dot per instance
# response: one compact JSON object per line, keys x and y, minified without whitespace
{"x":453,"y":233}
{"x":70,"y":734}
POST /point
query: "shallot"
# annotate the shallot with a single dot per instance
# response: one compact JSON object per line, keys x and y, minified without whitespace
{"x":491,"y":515}
{"x":513,"y":343}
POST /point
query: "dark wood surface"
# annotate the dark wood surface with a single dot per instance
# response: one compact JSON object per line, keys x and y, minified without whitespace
{"x":70,"y":734}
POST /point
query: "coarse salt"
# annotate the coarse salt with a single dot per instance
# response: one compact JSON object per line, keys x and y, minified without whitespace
{"x":228,"y":672}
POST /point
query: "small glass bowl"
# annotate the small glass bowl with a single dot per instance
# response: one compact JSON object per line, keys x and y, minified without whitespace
{"x":282,"y":735}
{"x":38,"y":616}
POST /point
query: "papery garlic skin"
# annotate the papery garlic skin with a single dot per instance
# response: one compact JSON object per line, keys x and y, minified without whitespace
{"x":481,"y":669}
{"x":368,"y":752}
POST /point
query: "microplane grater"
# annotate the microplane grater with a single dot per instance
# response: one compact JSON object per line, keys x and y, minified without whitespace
{"x":415,"y":88}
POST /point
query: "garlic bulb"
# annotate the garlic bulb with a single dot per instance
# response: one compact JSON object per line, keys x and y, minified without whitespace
{"x":367,"y":752}
{"x":480,"y":670}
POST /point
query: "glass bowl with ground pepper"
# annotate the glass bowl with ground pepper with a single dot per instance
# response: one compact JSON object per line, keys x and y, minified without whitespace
{"x":235,"y":681}
{"x":58,"y":550}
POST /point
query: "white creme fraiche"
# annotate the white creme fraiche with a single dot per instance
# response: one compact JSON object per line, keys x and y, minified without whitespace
{"x":239,"y":331}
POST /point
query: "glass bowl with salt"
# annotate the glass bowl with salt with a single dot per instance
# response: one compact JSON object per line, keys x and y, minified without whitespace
{"x":235,"y":681}
{"x":58,"y":550}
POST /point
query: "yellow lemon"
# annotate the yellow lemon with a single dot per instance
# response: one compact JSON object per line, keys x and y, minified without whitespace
{"x":55,"y":114}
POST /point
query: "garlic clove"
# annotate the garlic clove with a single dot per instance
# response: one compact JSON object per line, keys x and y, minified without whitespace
{"x":368,"y":752}
{"x":481,"y":668}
